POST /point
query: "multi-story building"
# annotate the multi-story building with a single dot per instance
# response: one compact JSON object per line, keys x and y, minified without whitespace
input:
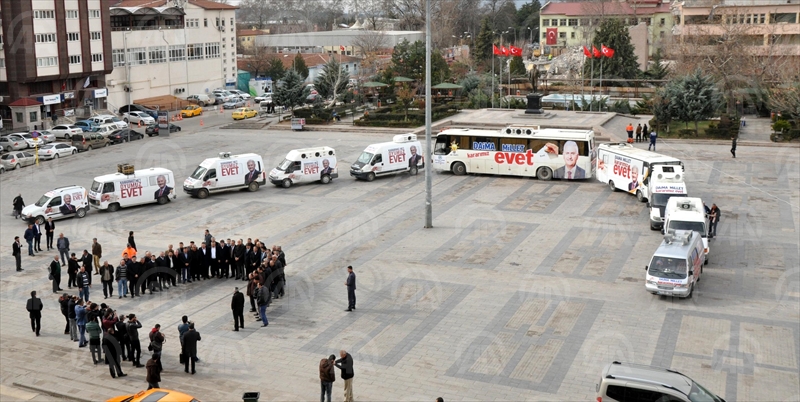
{"x":170,"y":47}
{"x":55,"y":56}
{"x":246,"y":38}
{"x":314,"y":61}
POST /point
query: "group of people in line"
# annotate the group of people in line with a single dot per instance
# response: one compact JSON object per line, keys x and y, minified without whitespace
{"x":643,"y":133}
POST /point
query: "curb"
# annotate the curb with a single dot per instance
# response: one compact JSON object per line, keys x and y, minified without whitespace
{"x":50,"y":393}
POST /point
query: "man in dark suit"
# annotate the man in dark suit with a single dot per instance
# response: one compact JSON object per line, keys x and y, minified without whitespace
{"x":252,"y":172}
{"x":415,"y":158}
{"x":163,"y":189}
{"x":190,"y":339}
{"x":237,"y":306}
{"x":634,"y":184}
{"x":34,"y":308}
{"x":238,"y":253}
{"x":200,"y":264}
{"x":16,"y":251}
{"x":570,"y":170}
{"x":87,"y":260}
{"x":55,"y":271}
{"x":37,"y":237}
{"x":67,"y":208}
{"x":185,"y":261}
{"x":326,"y":168}
{"x":224,"y":255}
{"x":351,"y":288}
{"x":49,"y":231}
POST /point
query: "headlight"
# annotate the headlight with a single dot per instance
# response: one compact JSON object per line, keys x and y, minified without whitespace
{"x":652,"y":282}
{"x":680,"y":285}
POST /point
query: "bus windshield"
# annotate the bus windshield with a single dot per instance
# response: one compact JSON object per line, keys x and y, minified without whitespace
{"x":664,"y":267}
{"x":684,"y":225}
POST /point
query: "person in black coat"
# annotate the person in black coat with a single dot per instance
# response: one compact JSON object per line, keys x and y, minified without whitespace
{"x":238,"y":254}
{"x":133,"y":274}
{"x":111,"y":348}
{"x":16,"y":251}
{"x":131,"y":241}
{"x":64,"y":302}
{"x":73,"y":266}
{"x":175,"y":265}
{"x":18,"y":205}
{"x":87,"y":260}
{"x":185,"y":264}
{"x":224,"y":255}
{"x":346,"y":365}
{"x":49,"y":231}
{"x":34,"y":307}
{"x":190,"y":339}
{"x":200,"y":264}
{"x":121,"y":336}
{"x":237,"y":306}
{"x":37,"y":239}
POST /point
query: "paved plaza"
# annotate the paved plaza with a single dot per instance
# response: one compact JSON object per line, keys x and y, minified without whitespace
{"x":523,"y":290}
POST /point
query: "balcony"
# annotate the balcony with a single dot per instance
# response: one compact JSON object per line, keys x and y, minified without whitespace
{"x":146,"y":18}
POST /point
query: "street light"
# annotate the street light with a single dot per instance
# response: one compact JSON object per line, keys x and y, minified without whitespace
{"x":515,"y":34}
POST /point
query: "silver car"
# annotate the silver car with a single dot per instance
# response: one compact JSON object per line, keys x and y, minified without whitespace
{"x":54,"y":151}
{"x":47,"y":136}
{"x":13,"y":160}
{"x":41,"y":140}
{"x":12,"y":142}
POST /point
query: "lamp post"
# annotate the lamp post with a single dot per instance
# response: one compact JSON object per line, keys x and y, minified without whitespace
{"x":428,"y":147}
{"x":169,"y":66}
{"x":127,"y":72}
{"x":511,"y":29}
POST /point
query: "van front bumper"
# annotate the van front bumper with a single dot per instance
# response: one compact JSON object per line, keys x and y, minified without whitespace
{"x":358,"y":174}
{"x":190,"y":191}
{"x":667,"y":290}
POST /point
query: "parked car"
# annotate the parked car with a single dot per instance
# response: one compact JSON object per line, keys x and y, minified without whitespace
{"x":12,"y":142}
{"x":243,"y":95}
{"x":191,"y":111}
{"x":138,"y":108}
{"x":15,"y":159}
{"x":120,"y":136}
{"x":200,"y":99}
{"x":137,"y":117}
{"x":47,"y":136}
{"x":263,"y":98}
{"x":218,"y":98}
{"x":67,"y":130}
{"x":28,"y":137}
{"x":233,"y":104}
{"x":88,"y":141}
{"x":225,"y":94}
{"x":109,"y":119}
{"x":153,"y":395}
{"x":86,"y":125}
{"x":153,"y":129}
{"x":57,"y":150}
{"x":243,"y":113}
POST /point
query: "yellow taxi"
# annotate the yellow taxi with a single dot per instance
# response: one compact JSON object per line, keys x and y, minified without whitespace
{"x":155,"y":394}
{"x":243,"y":113}
{"x":191,"y":110}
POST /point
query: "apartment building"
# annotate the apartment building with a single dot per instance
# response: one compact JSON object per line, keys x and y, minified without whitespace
{"x":170,"y":47}
{"x":55,"y":56}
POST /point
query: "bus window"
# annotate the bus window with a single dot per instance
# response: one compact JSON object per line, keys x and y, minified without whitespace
{"x":442,"y":146}
{"x":513,"y":144}
{"x":536,"y":145}
{"x":483,"y":144}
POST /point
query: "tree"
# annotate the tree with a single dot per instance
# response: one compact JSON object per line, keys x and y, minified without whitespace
{"x":484,"y":42}
{"x":517,"y":66}
{"x":258,"y":61}
{"x":786,"y":99}
{"x":408,"y":60}
{"x":254,"y":12}
{"x":405,"y":97}
{"x":614,"y":34}
{"x":528,"y":17}
{"x":299,"y":65}
{"x":657,"y":70}
{"x":693,"y":97}
{"x":332,"y":80}
{"x":275,"y":69}
{"x":292,"y":92}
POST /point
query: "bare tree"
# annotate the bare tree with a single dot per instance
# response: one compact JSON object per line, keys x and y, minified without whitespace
{"x":258,"y":60}
{"x":370,"y":42}
{"x":255,"y":12}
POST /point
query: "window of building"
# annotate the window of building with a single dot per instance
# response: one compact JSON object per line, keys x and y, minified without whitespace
{"x":584,"y":21}
{"x":45,"y":38}
{"x":118,"y":57}
{"x":46,"y":61}
{"x":158,"y":54}
{"x":662,"y":21}
{"x":75,"y":59}
{"x":562,"y":22}
{"x":94,"y":13}
{"x":661,"y":34}
{"x":137,"y":56}
{"x":73,"y":36}
{"x":572,"y":35}
{"x":562,"y":35}
{"x":573,"y":22}
{"x":231,"y":21}
{"x":546,"y":22}
{"x":2,"y":63}
{"x":217,"y":22}
{"x":205,"y":22}
{"x":72,"y":14}
{"x":44,"y":14}
{"x":761,"y":18}
{"x":212,"y":50}
{"x":19,"y":117}
{"x":1,"y":39}
{"x":97,"y":57}
{"x":34,"y":116}
{"x":177,"y":52}
{"x":647,"y":20}
{"x":193,"y":23}
{"x":96,"y":35}
{"x":194,"y":51}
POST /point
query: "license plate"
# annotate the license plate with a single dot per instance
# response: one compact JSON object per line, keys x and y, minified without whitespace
{"x":665,"y":293}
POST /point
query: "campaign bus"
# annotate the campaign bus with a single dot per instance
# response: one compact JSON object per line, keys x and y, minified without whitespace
{"x":517,"y":151}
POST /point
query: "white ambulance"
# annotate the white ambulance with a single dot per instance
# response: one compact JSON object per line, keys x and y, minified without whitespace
{"x":128,"y":188}
{"x":624,"y":167}
{"x":676,"y":265}
{"x":687,"y":213}
{"x":227,"y":172}
{"x":403,"y":154}
{"x":305,"y":166}
{"x":58,"y":203}
{"x":666,"y":181}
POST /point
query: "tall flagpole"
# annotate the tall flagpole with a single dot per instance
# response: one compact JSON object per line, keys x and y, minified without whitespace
{"x":492,"y":75}
{"x":429,"y":149}
{"x":583,"y":83}
{"x":601,"y":83}
{"x":591,"y":85}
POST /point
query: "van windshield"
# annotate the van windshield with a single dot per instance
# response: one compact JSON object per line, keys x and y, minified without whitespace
{"x":365,"y":158}
{"x":97,"y":186}
{"x":683,"y":225}
{"x":198,"y":173}
{"x":42,"y":201}
{"x":284,"y":165}
{"x":666,"y":267}
{"x":699,"y":394}
{"x":660,"y":199}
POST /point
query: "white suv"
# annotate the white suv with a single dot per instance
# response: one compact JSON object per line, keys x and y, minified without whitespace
{"x":634,"y":382}
{"x":109,"y":119}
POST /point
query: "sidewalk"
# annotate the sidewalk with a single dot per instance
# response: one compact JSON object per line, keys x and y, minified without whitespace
{"x":757,"y":129}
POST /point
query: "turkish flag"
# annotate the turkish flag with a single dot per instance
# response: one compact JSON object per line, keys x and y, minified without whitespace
{"x":504,"y":51}
{"x":516,"y":51}
{"x":607,"y":51}
{"x":596,"y":53}
{"x":586,"y":52}
{"x":341,"y":48}
{"x":496,"y":51}
{"x":552,"y":36}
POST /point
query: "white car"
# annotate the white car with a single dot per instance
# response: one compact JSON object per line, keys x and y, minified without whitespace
{"x":28,"y":137}
{"x":242,"y":94}
{"x":13,"y":160}
{"x":55,"y":151}
{"x":47,"y":136}
{"x":263,"y":98}
{"x":66,"y":131}
{"x":136,"y":117}
{"x":109,"y":119}
{"x":12,"y":142}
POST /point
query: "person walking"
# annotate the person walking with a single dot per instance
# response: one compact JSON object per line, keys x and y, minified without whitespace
{"x":715,"y":215}
{"x":83,"y":284}
{"x":106,"y":272}
{"x":80,"y":321}
{"x":653,"y":137}
{"x":133,"y":333}
{"x":16,"y":251}
{"x":111,"y":349}
{"x":131,"y":241}
{"x":121,"y":275}
{"x":34,"y":307}
{"x":29,"y":236}
{"x":190,"y":339}
{"x":346,"y":365}
{"x":264,"y":297}
{"x":153,"y":368}
{"x":95,"y":347}
{"x":62,"y":244}
{"x":49,"y":229}
{"x":733,"y":146}
{"x":237,"y":306}
{"x":18,"y":205}
{"x":97,"y":252}
{"x":55,"y":274}
{"x":327,"y":375}
{"x":639,"y":133}
{"x":183,"y":327}
{"x":37,"y":237}
{"x":351,"y":288}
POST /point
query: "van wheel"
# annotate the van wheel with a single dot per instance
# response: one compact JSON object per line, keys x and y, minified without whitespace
{"x":326,"y":179}
{"x":81,"y":212}
{"x":40,"y":220}
{"x":611,"y":185}
{"x":287,"y":183}
{"x":544,"y":173}
{"x":691,"y":291}
{"x":459,"y":169}
{"x":413,"y":171}
{"x":162,"y":200}
{"x":202,"y":193}
{"x":253,"y":186}
{"x":639,"y":196}
{"x":105,"y":145}
{"x":370,"y":176}
{"x":89,"y":148}
{"x":113,"y":207}
{"x":704,"y":263}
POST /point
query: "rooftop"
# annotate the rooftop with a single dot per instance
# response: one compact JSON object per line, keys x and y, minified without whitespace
{"x":579,"y":9}
{"x":206,"y":4}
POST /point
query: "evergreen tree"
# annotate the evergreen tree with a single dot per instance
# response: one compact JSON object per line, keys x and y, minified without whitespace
{"x":517,"y":66}
{"x":483,"y":42}
{"x":299,"y":65}
{"x":275,"y":69}
{"x":292,"y":92}
{"x":614,"y":34}
{"x":408,"y":60}
{"x":657,"y":71}
{"x":693,"y":97}
{"x":332,"y":80}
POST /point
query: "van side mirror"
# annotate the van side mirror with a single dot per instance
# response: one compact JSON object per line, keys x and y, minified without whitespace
{"x":648,"y":204}
{"x":645,"y":267}
{"x":691,"y":273}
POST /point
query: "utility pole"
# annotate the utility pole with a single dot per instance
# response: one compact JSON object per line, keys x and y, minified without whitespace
{"x":127,"y":72}
{"x":429,"y":153}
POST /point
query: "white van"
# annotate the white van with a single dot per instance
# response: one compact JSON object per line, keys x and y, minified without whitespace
{"x":625,"y":382}
{"x":624,"y":167}
{"x":677,"y":264}
{"x":305,"y":166}
{"x":666,"y":182}
{"x":687,"y":213}
{"x":109,"y":119}
{"x":227,"y":172}
{"x":58,"y":203}
{"x":403,"y":154}
{"x":106,"y":129}
{"x":127,"y":188}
